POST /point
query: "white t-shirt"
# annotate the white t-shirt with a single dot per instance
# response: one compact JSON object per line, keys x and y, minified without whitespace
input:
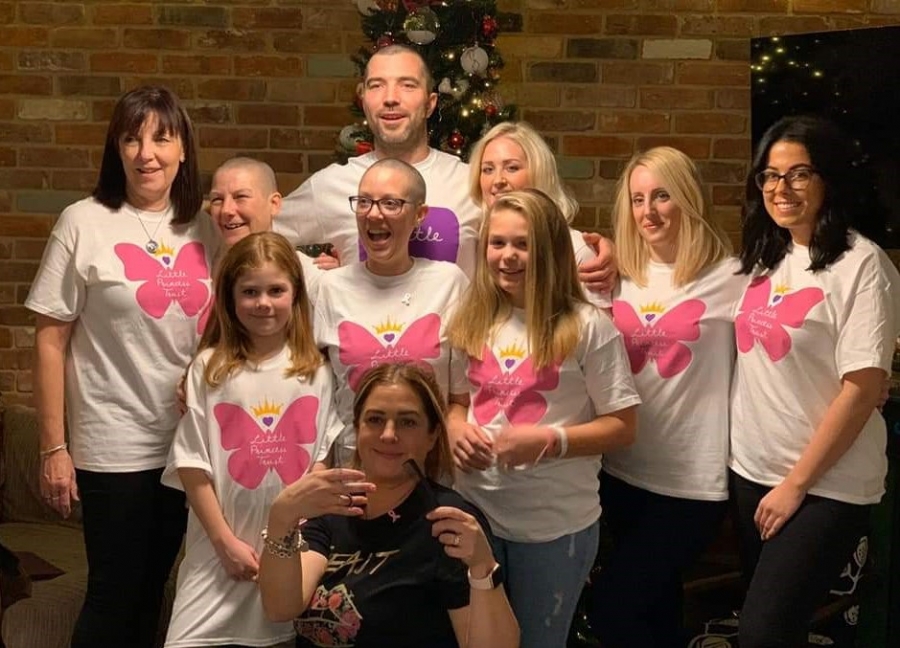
{"x":363,"y":320}
{"x":253,"y":435}
{"x":798,"y":333}
{"x":319,"y":211}
{"x":680,"y":343}
{"x":558,"y":496}
{"x":312,"y":276}
{"x":136,"y":320}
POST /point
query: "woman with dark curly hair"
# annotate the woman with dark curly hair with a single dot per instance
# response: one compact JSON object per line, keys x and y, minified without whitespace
{"x":815,"y":335}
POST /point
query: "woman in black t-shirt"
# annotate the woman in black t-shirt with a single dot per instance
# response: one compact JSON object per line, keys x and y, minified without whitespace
{"x":386,"y":558}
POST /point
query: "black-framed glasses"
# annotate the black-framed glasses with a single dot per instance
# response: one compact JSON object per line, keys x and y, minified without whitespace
{"x":795,"y":178}
{"x":361,"y":205}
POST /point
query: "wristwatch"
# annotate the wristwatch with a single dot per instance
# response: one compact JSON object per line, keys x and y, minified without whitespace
{"x":489,"y":582}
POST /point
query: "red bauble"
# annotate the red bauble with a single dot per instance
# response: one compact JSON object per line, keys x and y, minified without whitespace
{"x":363,"y":147}
{"x":387,"y":5}
{"x":490,"y":110}
{"x":489,"y":27}
{"x":456,"y":140}
{"x":383,"y":41}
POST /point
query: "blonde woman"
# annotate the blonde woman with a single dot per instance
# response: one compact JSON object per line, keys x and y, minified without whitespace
{"x":665,"y":495}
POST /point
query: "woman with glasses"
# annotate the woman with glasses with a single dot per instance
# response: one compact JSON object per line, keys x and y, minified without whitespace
{"x":391,"y":307}
{"x":815,"y":334}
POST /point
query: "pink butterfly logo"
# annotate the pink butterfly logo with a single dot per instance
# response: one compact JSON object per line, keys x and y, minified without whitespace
{"x":758,"y":320}
{"x":515,"y":393}
{"x":261,"y":448}
{"x":361,"y":350}
{"x":166,"y":280}
{"x":659,"y":337}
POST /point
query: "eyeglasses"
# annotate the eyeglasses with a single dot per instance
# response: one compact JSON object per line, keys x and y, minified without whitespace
{"x":387,"y":206}
{"x":795,"y":178}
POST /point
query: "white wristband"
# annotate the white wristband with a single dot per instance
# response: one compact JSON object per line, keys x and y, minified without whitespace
{"x":563,"y":440}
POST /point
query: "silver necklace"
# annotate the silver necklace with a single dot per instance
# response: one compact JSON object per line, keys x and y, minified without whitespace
{"x":151,"y":245}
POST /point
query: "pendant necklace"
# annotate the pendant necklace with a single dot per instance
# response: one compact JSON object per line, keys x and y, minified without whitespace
{"x":151,"y":245}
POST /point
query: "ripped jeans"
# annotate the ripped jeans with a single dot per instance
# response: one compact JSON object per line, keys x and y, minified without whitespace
{"x":544,"y":581}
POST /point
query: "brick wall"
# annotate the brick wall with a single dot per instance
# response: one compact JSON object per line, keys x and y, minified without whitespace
{"x":271,"y":78}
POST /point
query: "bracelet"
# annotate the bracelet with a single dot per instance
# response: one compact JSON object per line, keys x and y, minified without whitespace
{"x":562,"y":440}
{"x":288,"y":546}
{"x":53,"y":450}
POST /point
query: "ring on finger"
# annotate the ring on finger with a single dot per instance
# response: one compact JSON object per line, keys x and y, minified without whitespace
{"x":346,"y":499}
{"x":456,"y":540}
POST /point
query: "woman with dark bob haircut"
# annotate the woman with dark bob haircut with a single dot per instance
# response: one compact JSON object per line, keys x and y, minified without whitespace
{"x":118,"y":301}
{"x":815,"y":334}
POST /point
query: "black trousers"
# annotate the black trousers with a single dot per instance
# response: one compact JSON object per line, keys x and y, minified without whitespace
{"x":790,"y":575}
{"x":133,"y":528}
{"x":637,"y":597}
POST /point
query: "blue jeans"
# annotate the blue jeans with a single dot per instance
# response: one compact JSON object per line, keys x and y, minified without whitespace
{"x":544,"y":581}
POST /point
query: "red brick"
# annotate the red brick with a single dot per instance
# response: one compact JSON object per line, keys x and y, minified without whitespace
{"x":193,"y":16}
{"x":694,"y":147}
{"x":634,"y":73}
{"x":829,"y":6}
{"x":727,"y":195}
{"x":282,"y":161}
{"x":331,"y":18}
{"x":210,"y":113}
{"x":715,"y":122}
{"x":723,"y":172}
{"x":563,"y":72}
{"x":683,"y":98}
{"x":25,"y":133}
{"x":251,"y":138}
{"x":599,"y":96}
{"x":17,"y":271}
{"x":6,"y":61}
{"x":780,"y":25}
{"x":235,"y":89}
{"x":7,"y":12}
{"x":123,"y":62}
{"x":301,"y":139}
{"x":37,"y":226}
{"x":157,"y":39}
{"x":732,"y":149}
{"x":326,"y":116}
{"x":718,"y":26}
{"x":7,"y":157}
{"x":754,"y":6}
{"x":267,"y":18}
{"x":18,"y":36}
{"x":127,"y":14}
{"x":53,"y":157}
{"x":733,"y":98}
{"x":233,"y":41}
{"x":70,"y":180}
{"x":733,"y":49}
{"x":5,"y":201}
{"x":181,"y":86}
{"x":6,"y":338}
{"x":272,"y":66}
{"x":84,"y":38}
{"x":102,"y":109}
{"x":589,"y":146}
{"x":51,"y":13}
{"x":196,"y":64}
{"x":271,"y":115}
{"x":642,"y":25}
{"x":7,"y":108}
{"x":561,"y":120}
{"x":634,"y":122}
{"x":305,"y":42}
{"x":713,"y":74}
{"x":696,"y":6}
{"x":28,"y":249}
{"x":18,"y":315}
{"x":23,"y":381}
{"x":25,"y":84}
{"x":109,"y":86}
{"x":567,"y":23}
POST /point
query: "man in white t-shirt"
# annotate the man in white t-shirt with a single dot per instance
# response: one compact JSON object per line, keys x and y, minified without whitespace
{"x":397,"y":98}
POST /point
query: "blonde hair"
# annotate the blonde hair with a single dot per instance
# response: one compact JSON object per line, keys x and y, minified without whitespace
{"x":552,"y":292}
{"x":701,"y":241}
{"x":224,"y":333}
{"x":419,"y":377}
{"x":539,"y":160}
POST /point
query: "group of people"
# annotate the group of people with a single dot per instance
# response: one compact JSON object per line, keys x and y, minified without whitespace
{"x":412,"y":449}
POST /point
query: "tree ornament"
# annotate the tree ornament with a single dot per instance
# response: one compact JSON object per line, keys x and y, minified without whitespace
{"x":363,"y":147}
{"x":456,"y":140}
{"x":490,"y":110}
{"x":421,"y":26}
{"x":384,"y":40}
{"x":387,"y":5}
{"x":474,"y":60}
{"x":489,"y":27}
{"x":366,"y":7}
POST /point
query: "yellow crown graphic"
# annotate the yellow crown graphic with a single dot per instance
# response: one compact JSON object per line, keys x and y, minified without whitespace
{"x":653,"y":307}
{"x":388,"y":327}
{"x":512,"y":351}
{"x":164,"y":250}
{"x":781,"y":289}
{"x":266,"y":408}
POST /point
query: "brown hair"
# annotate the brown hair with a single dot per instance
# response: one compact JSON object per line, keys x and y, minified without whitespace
{"x":420,"y":379}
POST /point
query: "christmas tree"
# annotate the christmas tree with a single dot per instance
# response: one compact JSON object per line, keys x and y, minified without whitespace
{"x":456,"y":38}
